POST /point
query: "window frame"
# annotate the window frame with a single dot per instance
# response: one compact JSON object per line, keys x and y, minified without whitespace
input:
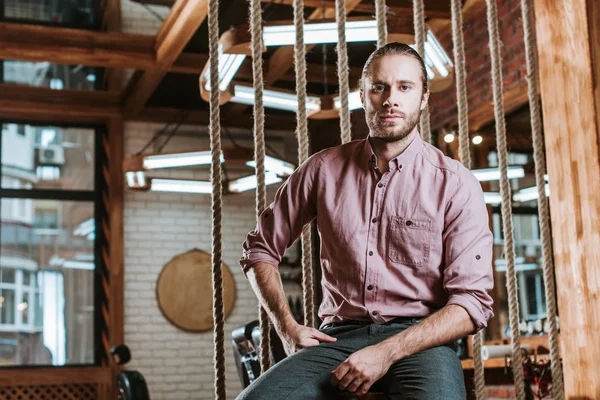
{"x":100,"y":211}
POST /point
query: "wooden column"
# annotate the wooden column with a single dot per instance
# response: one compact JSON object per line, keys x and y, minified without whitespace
{"x":568,"y":43}
{"x":116,"y":187}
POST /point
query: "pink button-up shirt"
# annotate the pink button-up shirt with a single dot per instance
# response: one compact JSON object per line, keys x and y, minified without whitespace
{"x":403,"y":243}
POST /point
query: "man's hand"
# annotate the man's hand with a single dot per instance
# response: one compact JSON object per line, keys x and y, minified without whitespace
{"x":362,"y":369}
{"x":298,"y":336}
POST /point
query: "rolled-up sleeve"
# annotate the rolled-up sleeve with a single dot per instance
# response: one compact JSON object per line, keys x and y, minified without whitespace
{"x":468,"y":246}
{"x":281,"y":223}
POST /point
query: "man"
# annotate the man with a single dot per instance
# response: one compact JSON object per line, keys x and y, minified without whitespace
{"x":406,"y":254}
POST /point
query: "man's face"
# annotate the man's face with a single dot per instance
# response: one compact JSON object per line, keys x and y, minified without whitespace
{"x":392,"y":96}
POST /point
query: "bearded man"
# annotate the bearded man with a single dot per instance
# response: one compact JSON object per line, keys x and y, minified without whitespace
{"x":406,"y":255}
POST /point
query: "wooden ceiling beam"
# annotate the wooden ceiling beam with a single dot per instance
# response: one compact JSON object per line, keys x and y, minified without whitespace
{"x":178,"y":28}
{"x":75,"y":46}
{"x":20,"y":102}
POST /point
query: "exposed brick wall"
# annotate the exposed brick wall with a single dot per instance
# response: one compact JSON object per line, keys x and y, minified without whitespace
{"x":158,"y":226}
{"x":478,"y":63}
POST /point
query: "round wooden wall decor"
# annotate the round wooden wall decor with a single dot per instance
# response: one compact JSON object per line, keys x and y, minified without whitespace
{"x":184,"y":291}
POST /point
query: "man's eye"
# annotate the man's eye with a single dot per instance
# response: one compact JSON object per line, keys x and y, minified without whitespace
{"x":378,"y":88}
{"x":405,"y":88}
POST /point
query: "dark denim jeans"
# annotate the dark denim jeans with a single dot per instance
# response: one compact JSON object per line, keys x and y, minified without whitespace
{"x":434,"y":374}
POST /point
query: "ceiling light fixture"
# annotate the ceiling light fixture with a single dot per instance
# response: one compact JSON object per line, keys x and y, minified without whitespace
{"x":493,"y":174}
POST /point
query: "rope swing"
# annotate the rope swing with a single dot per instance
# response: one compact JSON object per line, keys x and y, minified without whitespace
{"x":505,"y":192}
{"x":465,"y":157}
{"x":216,"y":200}
{"x":342,"y":64}
{"x":302,"y":135}
{"x":259,"y":156}
{"x":420,"y":31}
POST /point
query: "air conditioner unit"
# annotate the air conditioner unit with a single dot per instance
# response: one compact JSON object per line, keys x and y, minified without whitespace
{"x":52,"y":155}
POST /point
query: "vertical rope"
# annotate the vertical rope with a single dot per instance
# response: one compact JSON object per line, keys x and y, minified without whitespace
{"x":381,"y":23}
{"x":505,"y":192}
{"x":540,"y":170}
{"x":461,"y":85}
{"x":465,"y":157}
{"x":420,"y":32}
{"x":479,"y":377}
{"x":259,"y":156}
{"x":302,"y":135}
{"x":342,"y":52}
{"x":217,"y":212}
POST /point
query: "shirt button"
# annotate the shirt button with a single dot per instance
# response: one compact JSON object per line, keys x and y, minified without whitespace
{"x":478,"y":257}
{"x":380,"y":185}
{"x":370,"y":253}
{"x":374,"y":220}
{"x":370,"y":287}
{"x":409,"y":223}
{"x":375,"y":313}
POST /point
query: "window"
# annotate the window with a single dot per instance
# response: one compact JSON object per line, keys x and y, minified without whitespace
{"x":53,"y":76}
{"x":83,"y":14}
{"x":48,"y":203}
{"x":528,"y":264}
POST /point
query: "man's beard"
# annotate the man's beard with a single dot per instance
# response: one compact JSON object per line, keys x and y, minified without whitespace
{"x":381,"y":130}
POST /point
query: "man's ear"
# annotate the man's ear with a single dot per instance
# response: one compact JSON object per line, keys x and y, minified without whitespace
{"x":362,"y":98}
{"x":425,"y":99}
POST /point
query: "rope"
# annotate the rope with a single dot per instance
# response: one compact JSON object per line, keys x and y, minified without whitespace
{"x":465,"y":157}
{"x":540,"y":170}
{"x":419,"y":21}
{"x":505,"y":192}
{"x":381,"y":23}
{"x":217,"y":212}
{"x":259,"y":156}
{"x":302,"y":135}
{"x":479,"y":377}
{"x":461,"y":85}
{"x":342,"y":50}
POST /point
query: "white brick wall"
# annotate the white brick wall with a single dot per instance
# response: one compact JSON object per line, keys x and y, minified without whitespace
{"x":158,"y":226}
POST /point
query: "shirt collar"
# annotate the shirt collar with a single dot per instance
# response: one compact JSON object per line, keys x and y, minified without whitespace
{"x":405,"y":158}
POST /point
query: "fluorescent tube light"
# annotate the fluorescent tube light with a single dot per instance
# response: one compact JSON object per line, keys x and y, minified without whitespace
{"x":529,"y":194}
{"x":180,"y":186}
{"x":85,"y":228}
{"x":73,"y":264}
{"x":184,"y":159}
{"x":318,"y":33}
{"x":228,"y":66}
{"x":275,"y":99}
{"x":135,"y":179}
{"x":275,"y":166}
{"x":354,"y":102}
{"x":249,"y":182}
{"x":493,"y":174}
{"x":492,"y":198}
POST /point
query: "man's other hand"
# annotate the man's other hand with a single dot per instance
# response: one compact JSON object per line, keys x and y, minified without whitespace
{"x":361,"y":370}
{"x":299,"y":336}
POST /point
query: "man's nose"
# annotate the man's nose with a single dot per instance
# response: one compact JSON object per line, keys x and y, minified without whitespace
{"x":392,"y":99}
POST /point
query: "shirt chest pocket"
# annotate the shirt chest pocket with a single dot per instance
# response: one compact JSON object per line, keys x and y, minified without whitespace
{"x":409,"y":241}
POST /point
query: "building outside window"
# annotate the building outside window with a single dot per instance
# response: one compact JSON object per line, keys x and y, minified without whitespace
{"x":48,"y":203}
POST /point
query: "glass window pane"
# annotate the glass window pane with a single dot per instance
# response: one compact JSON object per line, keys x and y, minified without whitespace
{"x":72,"y":13}
{"x":7,"y":275}
{"x":26,"y":278}
{"x":46,"y":157}
{"x":54,"y":249}
{"x":7,"y":312}
{"x":53,"y":76}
